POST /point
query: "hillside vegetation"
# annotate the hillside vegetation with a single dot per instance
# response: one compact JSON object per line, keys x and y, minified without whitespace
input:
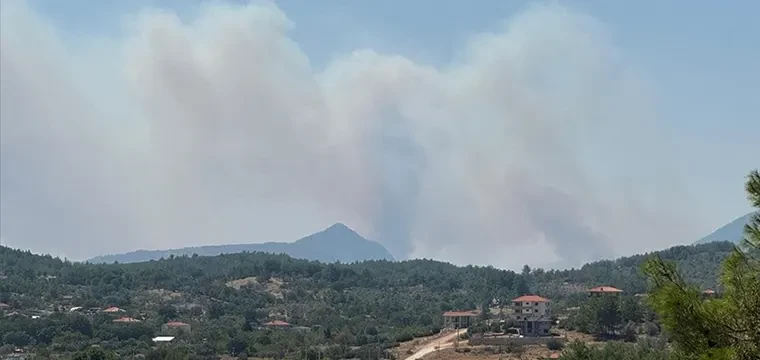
{"x":342,"y":308}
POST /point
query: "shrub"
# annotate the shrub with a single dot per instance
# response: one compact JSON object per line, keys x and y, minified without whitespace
{"x":652,"y":329}
{"x":512,"y":348}
{"x":629,"y":332}
{"x":554,"y":345}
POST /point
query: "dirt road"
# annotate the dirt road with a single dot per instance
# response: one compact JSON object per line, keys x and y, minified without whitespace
{"x":440,"y":343}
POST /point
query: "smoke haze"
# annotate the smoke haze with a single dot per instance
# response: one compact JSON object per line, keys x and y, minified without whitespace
{"x":219,"y":130}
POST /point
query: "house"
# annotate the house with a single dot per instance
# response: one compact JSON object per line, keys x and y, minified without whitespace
{"x":4,"y":306}
{"x":276,"y":324}
{"x":113,"y":310}
{"x":126,"y":319}
{"x":163,"y":339}
{"x":176,"y":327}
{"x":532,"y":315}
{"x":604,"y":291}
{"x":709,"y":293}
{"x":459,"y":319}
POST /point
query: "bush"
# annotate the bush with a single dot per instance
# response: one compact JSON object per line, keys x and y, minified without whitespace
{"x":492,"y":349}
{"x":554,"y":345}
{"x":404,"y":337}
{"x":629,"y":332}
{"x":652,"y":329}
{"x":512,"y":348}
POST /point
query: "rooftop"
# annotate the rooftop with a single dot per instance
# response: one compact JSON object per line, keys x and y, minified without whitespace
{"x":276,"y":323}
{"x":176,"y":324}
{"x":112,"y":309}
{"x":163,"y":338}
{"x":126,"y":319}
{"x":460,"y":313}
{"x":605,"y":289}
{"x":530,"y":298}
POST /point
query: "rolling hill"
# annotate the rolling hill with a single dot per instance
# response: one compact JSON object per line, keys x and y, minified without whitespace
{"x":336,"y":243}
{"x":350,"y":308}
{"x":732,"y":232}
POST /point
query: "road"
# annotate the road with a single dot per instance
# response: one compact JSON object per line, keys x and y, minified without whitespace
{"x":441,"y":343}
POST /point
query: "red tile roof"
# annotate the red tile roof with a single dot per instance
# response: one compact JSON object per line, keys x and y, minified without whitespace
{"x":126,"y":319}
{"x":276,"y":323}
{"x":460,"y":313}
{"x":112,"y":309}
{"x":176,"y":324}
{"x":530,"y":298}
{"x":605,"y":289}
{"x":709,"y":292}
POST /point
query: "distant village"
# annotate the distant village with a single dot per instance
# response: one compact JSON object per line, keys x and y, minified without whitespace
{"x":527,"y":319}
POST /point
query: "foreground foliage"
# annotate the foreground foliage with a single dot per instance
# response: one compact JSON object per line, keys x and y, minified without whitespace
{"x":723,"y":328}
{"x":643,"y":350}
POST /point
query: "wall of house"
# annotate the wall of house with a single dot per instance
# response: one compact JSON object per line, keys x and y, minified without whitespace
{"x":601,"y":294}
{"x":533,"y":328}
{"x":532,"y":308}
{"x":457,"y":321}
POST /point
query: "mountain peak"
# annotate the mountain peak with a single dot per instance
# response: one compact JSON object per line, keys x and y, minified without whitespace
{"x":335,"y":243}
{"x":340,"y":242}
{"x":339,"y":226}
{"x":733,"y":231}
{"x":337,"y":234}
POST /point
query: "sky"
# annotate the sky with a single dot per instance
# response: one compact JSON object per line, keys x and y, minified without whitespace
{"x":547,"y":133}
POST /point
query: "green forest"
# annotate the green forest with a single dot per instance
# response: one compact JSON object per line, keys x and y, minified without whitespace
{"x":361,"y":310}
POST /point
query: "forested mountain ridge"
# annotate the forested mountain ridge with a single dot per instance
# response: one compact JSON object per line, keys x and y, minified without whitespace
{"x":25,"y":273}
{"x":336,"y":243}
{"x":364,"y":304}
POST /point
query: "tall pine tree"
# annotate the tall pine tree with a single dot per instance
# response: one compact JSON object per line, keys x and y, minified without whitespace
{"x":723,"y":328}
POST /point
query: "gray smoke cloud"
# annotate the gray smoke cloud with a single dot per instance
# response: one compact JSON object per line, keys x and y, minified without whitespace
{"x":219,"y":130}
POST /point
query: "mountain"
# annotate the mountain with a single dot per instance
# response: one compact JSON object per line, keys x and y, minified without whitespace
{"x":336,"y":243}
{"x":733,"y":231}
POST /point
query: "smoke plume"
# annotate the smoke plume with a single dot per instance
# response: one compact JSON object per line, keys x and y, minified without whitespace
{"x":219,"y":130}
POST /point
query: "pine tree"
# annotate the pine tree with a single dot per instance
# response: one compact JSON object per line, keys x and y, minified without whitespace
{"x":724,"y":328}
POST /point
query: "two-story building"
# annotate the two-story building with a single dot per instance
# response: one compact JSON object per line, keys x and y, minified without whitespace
{"x":532,"y":315}
{"x":459,"y":319}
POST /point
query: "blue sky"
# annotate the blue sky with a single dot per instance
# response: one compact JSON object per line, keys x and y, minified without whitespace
{"x":696,"y":61}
